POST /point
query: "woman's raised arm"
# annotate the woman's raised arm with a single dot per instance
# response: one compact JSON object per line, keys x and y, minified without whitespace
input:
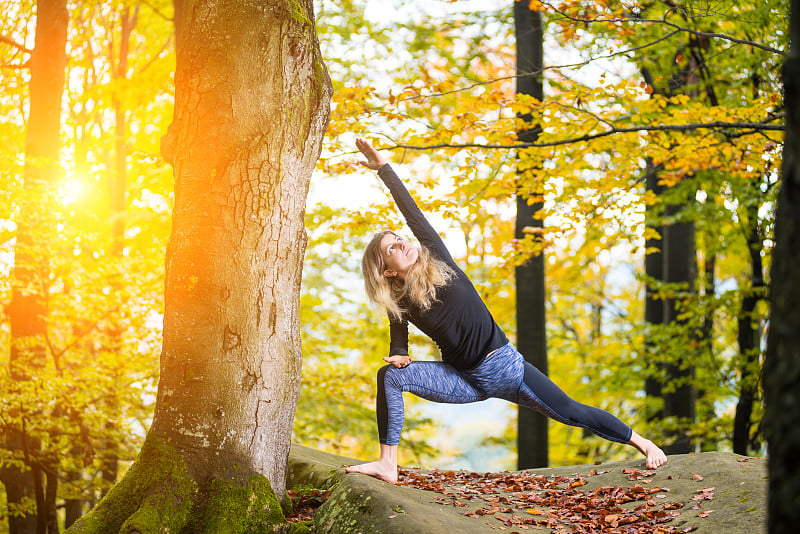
{"x":419,"y":225}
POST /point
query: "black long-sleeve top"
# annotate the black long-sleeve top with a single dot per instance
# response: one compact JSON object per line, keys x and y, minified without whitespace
{"x":458,"y":321}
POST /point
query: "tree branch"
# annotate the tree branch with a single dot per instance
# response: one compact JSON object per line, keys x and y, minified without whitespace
{"x":716,"y":125}
{"x":9,"y":41}
{"x":158,"y":12}
{"x":671,"y":25}
{"x":525,"y":74}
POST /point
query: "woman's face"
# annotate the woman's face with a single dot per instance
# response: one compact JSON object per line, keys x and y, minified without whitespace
{"x":398,"y":255}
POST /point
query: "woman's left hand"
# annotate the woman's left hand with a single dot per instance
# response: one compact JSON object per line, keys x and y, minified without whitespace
{"x":398,"y":361}
{"x":374,"y":160}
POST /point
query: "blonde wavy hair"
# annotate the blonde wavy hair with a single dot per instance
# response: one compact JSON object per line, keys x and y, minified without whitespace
{"x":420,"y":284}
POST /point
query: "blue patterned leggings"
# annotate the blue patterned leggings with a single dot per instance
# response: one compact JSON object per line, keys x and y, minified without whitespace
{"x":504,"y":374}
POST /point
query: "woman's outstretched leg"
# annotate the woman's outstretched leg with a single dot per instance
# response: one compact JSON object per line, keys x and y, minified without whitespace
{"x":540,"y":393}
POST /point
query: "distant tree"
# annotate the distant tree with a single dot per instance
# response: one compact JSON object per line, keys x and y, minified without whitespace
{"x":26,"y":477}
{"x":532,"y":443}
{"x":251,"y":107}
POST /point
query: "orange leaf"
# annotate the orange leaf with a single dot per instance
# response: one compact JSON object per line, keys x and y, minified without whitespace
{"x":535,"y":511}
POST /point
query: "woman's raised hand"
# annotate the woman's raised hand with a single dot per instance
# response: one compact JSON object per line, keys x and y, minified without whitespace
{"x":374,"y":159}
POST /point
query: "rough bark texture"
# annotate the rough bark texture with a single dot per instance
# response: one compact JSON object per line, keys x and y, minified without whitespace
{"x":251,"y":108}
{"x":782,"y":365}
{"x":28,"y":307}
{"x":531,"y":335}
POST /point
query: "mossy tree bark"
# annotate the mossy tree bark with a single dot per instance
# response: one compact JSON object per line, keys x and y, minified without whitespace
{"x":251,"y":107}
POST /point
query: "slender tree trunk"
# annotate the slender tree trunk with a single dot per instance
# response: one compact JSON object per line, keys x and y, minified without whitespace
{"x":28,"y":308}
{"x":119,"y":182}
{"x":653,"y":304}
{"x":118,"y":195}
{"x":706,"y":410}
{"x":680,"y":265}
{"x":673,"y":379}
{"x":252,"y":99}
{"x":73,"y":508}
{"x":50,"y":498}
{"x":782,"y":364}
{"x":532,"y":445}
{"x":669,"y":387}
{"x":749,"y":339}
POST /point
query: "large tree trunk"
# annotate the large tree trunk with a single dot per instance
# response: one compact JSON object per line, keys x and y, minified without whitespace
{"x":28,"y":307}
{"x":531,"y":335}
{"x":251,"y":108}
{"x":782,"y":365}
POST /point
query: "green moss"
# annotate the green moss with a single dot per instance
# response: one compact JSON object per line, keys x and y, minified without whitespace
{"x":344,"y":510}
{"x":364,"y":509}
{"x":241,"y":509}
{"x":299,"y":13}
{"x":156,"y":495}
{"x":286,"y":504}
{"x":320,"y":78}
{"x":301,"y":527}
{"x":148,"y":519}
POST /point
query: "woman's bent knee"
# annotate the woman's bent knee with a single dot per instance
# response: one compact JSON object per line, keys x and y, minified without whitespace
{"x":389,"y":376}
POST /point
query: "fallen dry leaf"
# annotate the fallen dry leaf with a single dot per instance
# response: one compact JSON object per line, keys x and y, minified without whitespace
{"x":705,"y":494}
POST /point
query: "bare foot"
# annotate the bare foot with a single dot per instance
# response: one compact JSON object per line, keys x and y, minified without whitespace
{"x":655,"y":456}
{"x":381,"y":470}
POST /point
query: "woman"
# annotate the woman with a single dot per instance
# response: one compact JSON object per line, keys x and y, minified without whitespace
{"x":426,"y":287}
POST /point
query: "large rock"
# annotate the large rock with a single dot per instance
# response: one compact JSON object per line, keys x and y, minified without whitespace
{"x":362,"y":504}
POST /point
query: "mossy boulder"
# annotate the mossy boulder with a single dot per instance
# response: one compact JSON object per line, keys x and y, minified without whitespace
{"x":361,"y":504}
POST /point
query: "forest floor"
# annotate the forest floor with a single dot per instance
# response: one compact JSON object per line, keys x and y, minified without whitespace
{"x":706,"y":493}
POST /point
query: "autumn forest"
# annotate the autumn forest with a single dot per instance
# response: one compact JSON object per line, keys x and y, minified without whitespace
{"x":606,"y":172}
